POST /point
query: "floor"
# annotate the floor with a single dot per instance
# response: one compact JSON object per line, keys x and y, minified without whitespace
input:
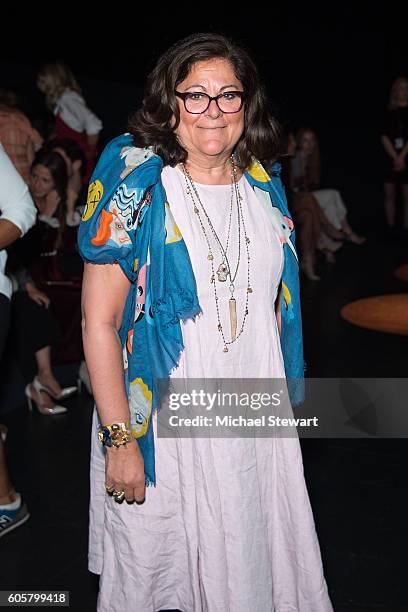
{"x":357,"y":487}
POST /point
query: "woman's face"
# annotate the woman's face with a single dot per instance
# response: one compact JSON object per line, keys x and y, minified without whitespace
{"x":212,"y":132}
{"x":43,"y":82}
{"x":402,"y":92}
{"x":41,"y":181}
{"x":307,"y":142}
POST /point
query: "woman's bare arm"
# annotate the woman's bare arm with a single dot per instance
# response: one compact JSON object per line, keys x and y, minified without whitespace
{"x":104,"y":293}
{"x":387,"y":144}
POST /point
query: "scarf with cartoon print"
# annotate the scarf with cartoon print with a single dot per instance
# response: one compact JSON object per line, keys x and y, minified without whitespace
{"x":127,"y":220}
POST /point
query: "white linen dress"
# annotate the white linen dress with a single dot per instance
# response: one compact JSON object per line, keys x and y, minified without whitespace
{"x":229,"y":526}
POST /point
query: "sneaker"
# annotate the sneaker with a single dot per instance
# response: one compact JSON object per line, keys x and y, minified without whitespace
{"x":11,"y":519}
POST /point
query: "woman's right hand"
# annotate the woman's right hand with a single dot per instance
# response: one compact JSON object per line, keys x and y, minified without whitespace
{"x":37,"y":295}
{"x":124,"y":470}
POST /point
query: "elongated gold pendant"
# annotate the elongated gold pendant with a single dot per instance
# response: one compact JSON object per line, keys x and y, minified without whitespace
{"x":233,"y":318}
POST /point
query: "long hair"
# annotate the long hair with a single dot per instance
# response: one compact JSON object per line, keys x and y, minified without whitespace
{"x":55,"y":163}
{"x":59,"y":78}
{"x":393,"y":102}
{"x":154,"y":124}
{"x":71,"y":148}
{"x":314,"y":157}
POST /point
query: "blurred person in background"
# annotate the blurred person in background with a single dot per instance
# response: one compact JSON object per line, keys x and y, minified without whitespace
{"x":73,"y":118}
{"x":75,"y":161}
{"x":18,"y":137}
{"x":17,"y":216}
{"x":38,"y":262}
{"x":305,"y":177}
{"x":394,"y":139}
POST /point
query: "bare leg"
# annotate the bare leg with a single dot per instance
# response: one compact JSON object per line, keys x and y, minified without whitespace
{"x":306,"y":234}
{"x":389,"y":203}
{"x":7,"y":491}
{"x":350,"y":233}
{"x":329,"y":228}
{"x":45,"y":374}
{"x":309,"y":229}
{"x":405,"y":201}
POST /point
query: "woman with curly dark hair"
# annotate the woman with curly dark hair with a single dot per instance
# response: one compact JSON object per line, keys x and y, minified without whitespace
{"x":200,"y":282}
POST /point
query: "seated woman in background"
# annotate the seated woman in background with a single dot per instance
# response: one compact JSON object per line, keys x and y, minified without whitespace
{"x":55,"y":230}
{"x":73,"y":118}
{"x":314,"y":229}
{"x":305,"y":177}
{"x":41,"y":258}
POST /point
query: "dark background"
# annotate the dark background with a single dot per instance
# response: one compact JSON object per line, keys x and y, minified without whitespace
{"x":329,"y":68}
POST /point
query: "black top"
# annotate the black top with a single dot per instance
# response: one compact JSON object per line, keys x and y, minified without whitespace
{"x":395,"y":126}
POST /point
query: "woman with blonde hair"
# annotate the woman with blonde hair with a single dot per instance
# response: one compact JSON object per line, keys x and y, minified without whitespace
{"x":73,"y":118}
{"x":394,"y":139}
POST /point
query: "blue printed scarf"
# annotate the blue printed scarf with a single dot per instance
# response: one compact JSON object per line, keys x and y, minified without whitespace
{"x":128,"y":221}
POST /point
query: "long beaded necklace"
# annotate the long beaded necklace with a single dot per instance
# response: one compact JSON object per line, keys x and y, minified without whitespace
{"x":224,"y":269}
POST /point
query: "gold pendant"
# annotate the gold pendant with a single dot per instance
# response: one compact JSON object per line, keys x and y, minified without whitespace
{"x":222,"y":272}
{"x":233,"y":318}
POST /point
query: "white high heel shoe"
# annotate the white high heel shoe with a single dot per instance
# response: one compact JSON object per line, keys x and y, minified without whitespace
{"x":65,"y":393}
{"x":41,"y":407}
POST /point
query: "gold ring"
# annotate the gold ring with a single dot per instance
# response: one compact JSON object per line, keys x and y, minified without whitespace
{"x":119,"y":496}
{"x":110,"y":489}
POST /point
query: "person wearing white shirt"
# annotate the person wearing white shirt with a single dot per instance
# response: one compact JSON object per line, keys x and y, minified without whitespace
{"x":18,"y":214}
{"x":72,"y":109}
{"x":73,"y":117}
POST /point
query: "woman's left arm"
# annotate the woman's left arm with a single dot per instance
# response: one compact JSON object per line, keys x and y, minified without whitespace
{"x":402,"y":154}
{"x":73,"y":218}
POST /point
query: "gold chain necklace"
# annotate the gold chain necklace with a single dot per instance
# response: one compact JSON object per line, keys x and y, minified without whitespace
{"x":224,"y":269}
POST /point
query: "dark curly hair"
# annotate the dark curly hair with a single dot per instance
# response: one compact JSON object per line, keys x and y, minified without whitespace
{"x":154,"y":124}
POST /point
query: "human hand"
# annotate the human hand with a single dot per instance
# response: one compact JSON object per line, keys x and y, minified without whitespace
{"x":124,"y":471}
{"x":52,"y":201}
{"x":37,"y":295}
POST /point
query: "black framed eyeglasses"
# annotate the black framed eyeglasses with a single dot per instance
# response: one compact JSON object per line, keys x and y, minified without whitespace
{"x":197,"y":102}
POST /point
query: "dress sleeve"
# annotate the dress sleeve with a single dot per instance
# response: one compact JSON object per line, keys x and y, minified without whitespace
{"x":106,"y":234}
